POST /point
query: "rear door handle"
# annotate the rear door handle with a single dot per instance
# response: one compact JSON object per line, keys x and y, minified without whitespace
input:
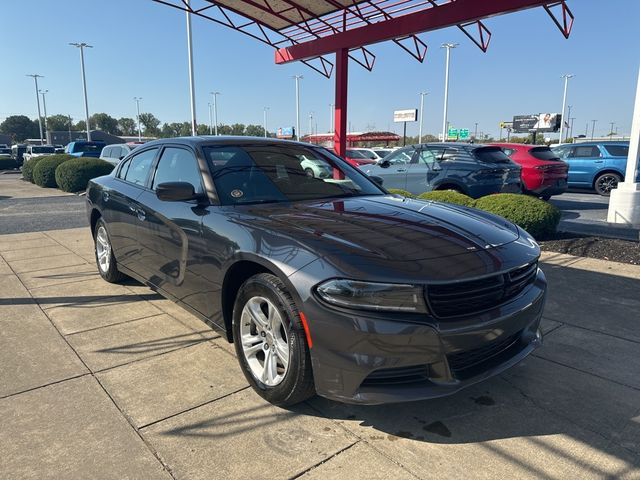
{"x":401,"y":170}
{"x":105,"y":196}
{"x":142,"y":215}
{"x":599,"y":161}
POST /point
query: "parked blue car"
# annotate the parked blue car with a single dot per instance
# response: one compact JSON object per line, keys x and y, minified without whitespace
{"x":84,"y":149}
{"x":596,"y":165}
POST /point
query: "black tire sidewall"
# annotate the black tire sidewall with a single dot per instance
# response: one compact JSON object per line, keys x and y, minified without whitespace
{"x":606,"y":194}
{"x":112,"y":275}
{"x":265,"y":285}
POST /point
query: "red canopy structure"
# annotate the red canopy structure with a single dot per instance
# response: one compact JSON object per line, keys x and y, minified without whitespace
{"x":354,"y":137}
{"x":309,"y":30}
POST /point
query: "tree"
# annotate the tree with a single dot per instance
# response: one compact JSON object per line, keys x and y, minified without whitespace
{"x":254,"y":131}
{"x":225,"y":129}
{"x":104,"y":122}
{"x":176,"y":129}
{"x":127,"y":126}
{"x":150,"y":123}
{"x":20,"y":127}
{"x":80,"y":126}
{"x":237,"y":129}
{"x":58,"y":123}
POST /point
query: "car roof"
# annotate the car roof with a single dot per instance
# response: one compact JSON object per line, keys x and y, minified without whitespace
{"x":624,"y":143}
{"x":227,"y":140}
{"x":454,"y":144}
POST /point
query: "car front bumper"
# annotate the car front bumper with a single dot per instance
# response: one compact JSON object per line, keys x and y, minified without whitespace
{"x":369,"y":359}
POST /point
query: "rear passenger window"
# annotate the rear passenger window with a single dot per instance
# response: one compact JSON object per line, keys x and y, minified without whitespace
{"x":586,"y":152}
{"x":139,"y":166}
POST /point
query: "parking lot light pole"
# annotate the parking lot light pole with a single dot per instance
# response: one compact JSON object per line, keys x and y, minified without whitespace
{"x":566,"y":77}
{"x":297,"y":79}
{"x":448,"y":46}
{"x":44,"y":106}
{"x":422,"y":95}
{"x":192,"y":88}
{"x":35,"y":77}
{"x":137,"y":100}
{"x":593,"y":127}
{"x":264,"y":125}
{"x":82,"y":46}
{"x":214,"y":96}
{"x":210,"y":119}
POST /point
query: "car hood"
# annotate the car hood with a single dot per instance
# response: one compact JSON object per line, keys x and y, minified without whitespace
{"x":387,"y":227}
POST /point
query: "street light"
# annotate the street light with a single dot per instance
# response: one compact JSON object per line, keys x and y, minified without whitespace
{"x":310,"y":125}
{"x":422,"y":95}
{"x":210,"y":120}
{"x":611,"y":133}
{"x":35,"y":77}
{"x":297,"y":79}
{"x":44,"y":106}
{"x":593,"y":128}
{"x":192,"y":88}
{"x":264,"y":125}
{"x":475,"y":132}
{"x":564,"y":103}
{"x":137,"y":100}
{"x":448,"y":46}
{"x":214,"y":95}
{"x":82,"y":46}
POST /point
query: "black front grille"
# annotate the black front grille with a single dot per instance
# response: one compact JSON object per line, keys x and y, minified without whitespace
{"x":463,"y":298}
{"x":396,"y":376}
{"x":468,"y":363}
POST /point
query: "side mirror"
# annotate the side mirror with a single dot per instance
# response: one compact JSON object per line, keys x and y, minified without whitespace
{"x":175,"y":191}
{"x":376,"y":179}
{"x":120,"y":157}
{"x":384,"y":163}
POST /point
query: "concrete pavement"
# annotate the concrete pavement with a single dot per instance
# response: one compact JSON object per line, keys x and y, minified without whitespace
{"x":112,"y":381}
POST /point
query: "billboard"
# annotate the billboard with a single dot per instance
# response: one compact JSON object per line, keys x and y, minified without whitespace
{"x":541,"y":122}
{"x":405,"y":115}
{"x":285,"y":132}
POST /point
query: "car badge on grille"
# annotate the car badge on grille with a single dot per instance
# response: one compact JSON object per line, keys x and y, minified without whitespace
{"x":237,"y":193}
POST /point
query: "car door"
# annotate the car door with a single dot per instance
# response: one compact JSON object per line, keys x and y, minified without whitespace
{"x":170,"y":232}
{"x":422,"y":171}
{"x":393,"y":169}
{"x":121,"y":209}
{"x":584,"y":161}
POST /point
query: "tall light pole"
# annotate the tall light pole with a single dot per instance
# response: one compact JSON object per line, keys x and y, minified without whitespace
{"x":44,"y":106}
{"x":35,"y":77}
{"x":571,"y":127}
{"x":297,"y":79}
{"x":422,"y":95}
{"x":593,"y":127}
{"x":82,"y":46}
{"x":331,"y":118}
{"x":192,"y":88}
{"x":264,"y":125}
{"x":475,"y":132}
{"x":210,"y":120}
{"x":448,"y":46}
{"x":214,"y":96}
{"x":566,"y":77}
{"x":610,"y":131}
{"x":310,"y":124}
{"x":137,"y":100}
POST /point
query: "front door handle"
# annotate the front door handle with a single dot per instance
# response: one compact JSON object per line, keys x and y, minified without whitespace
{"x":142,"y":215}
{"x":599,"y":161}
{"x":105,"y":196}
{"x":401,"y":170}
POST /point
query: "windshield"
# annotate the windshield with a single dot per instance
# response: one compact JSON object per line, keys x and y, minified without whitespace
{"x":271,"y":173}
{"x":367,"y":154}
{"x":355,"y":154}
{"x":88,"y":147}
{"x":43,"y":150}
{"x":543,"y":153}
{"x":491,"y":155}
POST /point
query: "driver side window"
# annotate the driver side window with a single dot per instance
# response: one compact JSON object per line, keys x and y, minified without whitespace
{"x":178,"y":165}
{"x":426,"y":157}
{"x":400,"y":157}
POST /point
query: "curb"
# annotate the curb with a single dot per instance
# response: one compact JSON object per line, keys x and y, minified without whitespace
{"x":601,"y":229}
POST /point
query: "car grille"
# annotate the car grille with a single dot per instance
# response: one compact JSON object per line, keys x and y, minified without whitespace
{"x":468,"y":363}
{"x":464,"y":298}
{"x":397,"y":376}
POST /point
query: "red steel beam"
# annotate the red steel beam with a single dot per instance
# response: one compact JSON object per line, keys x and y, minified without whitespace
{"x":340,"y":134}
{"x":447,"y":15}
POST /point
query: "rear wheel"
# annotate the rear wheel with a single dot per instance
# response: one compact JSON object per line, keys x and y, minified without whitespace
{"x":105,"y":259}
{"x":270,"y":341}
{"x":452,"y":188}
{"x":607,"y":182}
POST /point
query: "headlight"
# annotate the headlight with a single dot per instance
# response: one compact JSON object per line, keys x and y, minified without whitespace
{"x":389,"y":297}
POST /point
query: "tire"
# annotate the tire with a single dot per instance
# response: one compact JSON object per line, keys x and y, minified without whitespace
{"x":606,"y":182}
{"x":261,"y":343}
{"x":545,"y":197}
{"x":105,"y":261}
{"x":452,"y":188}
{"x":309,"y":172}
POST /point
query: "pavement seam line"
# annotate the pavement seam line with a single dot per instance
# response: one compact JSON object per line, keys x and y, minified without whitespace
{"x":148,"y":445}
{"x":591,"y":330}
{"x":45,"y":385}
{"x":177,"y":414}
{"x":322,"y":462}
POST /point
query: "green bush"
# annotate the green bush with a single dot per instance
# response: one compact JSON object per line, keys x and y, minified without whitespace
{"x":7,"y":163}
{"x":537,"y":217}
{"x":28,"y":166}
{"x":399,"y":191}
{"x":73,"y":176}
{"x":448,"y":196}
{"x":44,"y":173}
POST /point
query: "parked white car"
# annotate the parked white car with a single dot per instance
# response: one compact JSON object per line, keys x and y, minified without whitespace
{"x":38,"y":151}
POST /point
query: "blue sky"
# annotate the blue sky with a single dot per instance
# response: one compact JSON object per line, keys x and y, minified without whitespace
{"x":140,"y":50}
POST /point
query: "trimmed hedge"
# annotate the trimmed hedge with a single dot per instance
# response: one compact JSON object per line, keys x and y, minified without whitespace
{"x":448,"y":196}
{"x":73,"y":176}
{"x":399,"y":191}
{"x":28,"y":166}
{"x":44,"y":173}
{"x":7,"y":163}
{"x":537,"y":217}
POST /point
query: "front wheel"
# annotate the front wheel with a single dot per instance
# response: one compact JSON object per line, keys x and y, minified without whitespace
{"x":105,"y":259}
{"x":607,"y":182}
{"x":270,"y":341}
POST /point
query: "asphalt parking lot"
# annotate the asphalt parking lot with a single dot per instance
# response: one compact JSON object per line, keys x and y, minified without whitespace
{"x":112,"y":381}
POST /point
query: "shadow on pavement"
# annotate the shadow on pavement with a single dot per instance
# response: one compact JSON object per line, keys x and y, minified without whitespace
{"x":82,"y":301}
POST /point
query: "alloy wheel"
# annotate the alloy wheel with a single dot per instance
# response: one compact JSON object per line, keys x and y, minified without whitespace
{"x":606,"y":183}
{"x":264,"y":341}
{"x":103,"y":249}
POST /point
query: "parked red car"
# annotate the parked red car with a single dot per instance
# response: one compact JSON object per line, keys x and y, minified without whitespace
{"x":358,"y":157}
{"x":543,"y":173}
